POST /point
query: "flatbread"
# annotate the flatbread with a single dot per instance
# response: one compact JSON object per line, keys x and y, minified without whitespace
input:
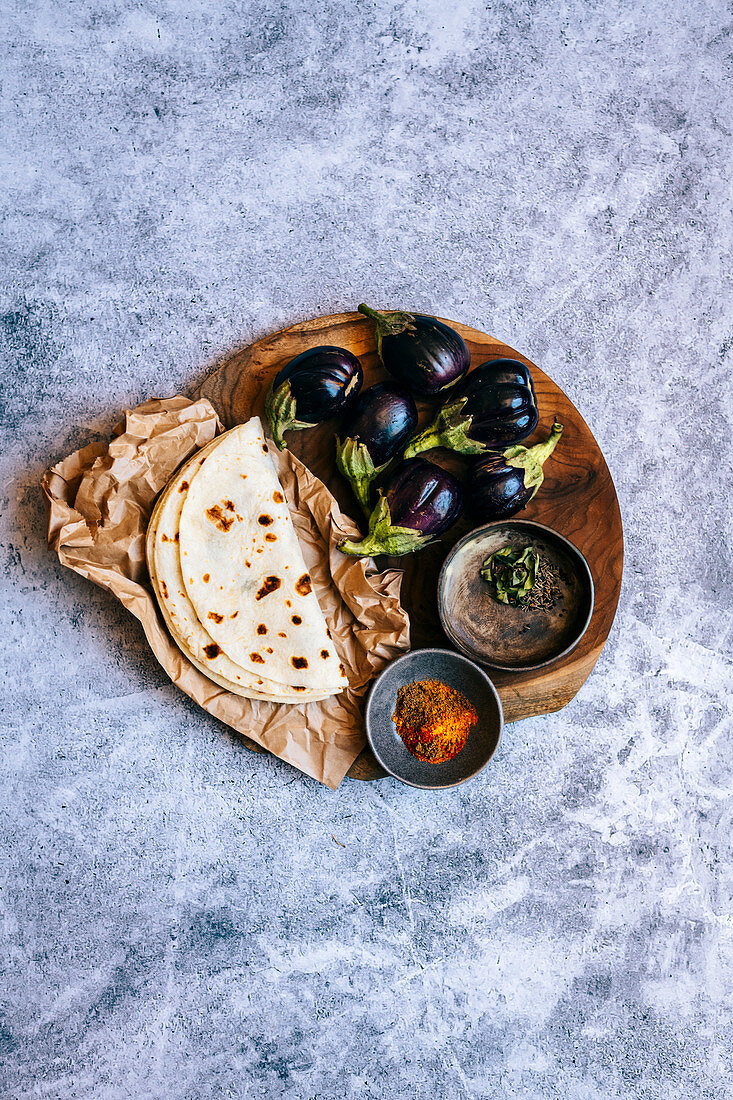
{"x":243,"y":568}
{"x":188,"y":633}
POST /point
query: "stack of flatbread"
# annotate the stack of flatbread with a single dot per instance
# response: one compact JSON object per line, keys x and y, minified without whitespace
{"x":230,"y":579}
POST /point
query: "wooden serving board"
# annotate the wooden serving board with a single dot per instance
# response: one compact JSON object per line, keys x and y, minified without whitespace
{"x":577,"y":497}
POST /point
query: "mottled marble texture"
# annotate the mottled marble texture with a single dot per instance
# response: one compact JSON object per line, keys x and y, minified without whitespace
{"x":178,"y":920}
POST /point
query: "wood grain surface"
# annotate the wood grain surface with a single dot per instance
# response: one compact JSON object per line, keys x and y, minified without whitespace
{"x":577,"y":497}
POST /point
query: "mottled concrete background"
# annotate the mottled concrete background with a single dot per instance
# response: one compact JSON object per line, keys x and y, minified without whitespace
{"x":182,"y":919}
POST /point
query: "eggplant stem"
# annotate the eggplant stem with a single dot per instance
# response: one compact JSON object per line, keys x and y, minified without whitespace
{"x":532,"y":459}
{"x":387,"y":324}
{"x":274,"y":402}
{"x":280,"y":411}
{"x":449,"y":429}
{"x":423,"y":441}
{"x":383,"y":538}
{"x":399,"y":541}
{"x":542,"y":451}
{"x":369,"y":312}
{"x":355,"y":463}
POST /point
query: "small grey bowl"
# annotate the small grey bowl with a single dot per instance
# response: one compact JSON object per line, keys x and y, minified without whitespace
{"x":457,"y":672}
{"x":506,"y":638}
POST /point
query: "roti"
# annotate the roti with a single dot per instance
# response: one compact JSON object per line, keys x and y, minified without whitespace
{"x":180,"y":618}
{"x":243,"y":569}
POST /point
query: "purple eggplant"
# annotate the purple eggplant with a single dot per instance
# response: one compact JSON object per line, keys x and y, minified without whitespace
{"x":382,"y":420}
{"x":421,"y":352}
{"x":503,"y":482}
{"x":418,"y":502}
{"x":316,"y":385}
{"x":494,"y":406}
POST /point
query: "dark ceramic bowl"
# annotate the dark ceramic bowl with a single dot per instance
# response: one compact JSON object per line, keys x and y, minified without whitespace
{"x":457,"y":672}
{"x":514,"y":639}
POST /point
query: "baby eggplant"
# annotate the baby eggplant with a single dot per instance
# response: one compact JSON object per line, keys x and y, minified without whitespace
{"x":316,"y":385}
{"x":421,"y":352}
{"x":382,"y":420}
{"x":503,"y":482}
{"x":494,"y":406}
{"x":419,"y":502}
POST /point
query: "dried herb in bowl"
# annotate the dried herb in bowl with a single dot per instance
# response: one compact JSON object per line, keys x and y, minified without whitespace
{"x":522,"y":578}
{"x":511,"y":574}
{"x":545,"y":591}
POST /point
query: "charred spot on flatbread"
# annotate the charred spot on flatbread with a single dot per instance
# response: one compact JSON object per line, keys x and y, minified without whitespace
{"x":229,"y":505}
{"x":264,"y":448}
{"x":296,"y":619}
{"x":217,"y":517}
{"x":164,"y":589}
{"x":257,"y":658}
{"x":164,"y":538}
{"x":234,"y":615}
{"x":328,"y":633}
{"x":212,"y":651}
{"x":270,"y":538}
{"x":299,"y":662}
{"x":342,"y":670}
{"x":281,"y":634}
{"x":183,"y":487}
{"x":325,"y":654}
{"x":269,"y":649}
{"x":264,"y":520}
{"x":216,"y":616}
{"x":262,"y":629}
{"x":297,"y":688}
{"x":206,"y":578}
{"x":288,"y":603}
{"x":303,"y":585}
{"x":278,"y":497}
{"x":270,"y":584}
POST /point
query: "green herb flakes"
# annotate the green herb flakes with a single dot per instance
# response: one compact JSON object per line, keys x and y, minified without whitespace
{"x":511,"y":574}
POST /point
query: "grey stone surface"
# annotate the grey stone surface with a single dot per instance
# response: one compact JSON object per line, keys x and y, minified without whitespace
{"x":181,"y":919}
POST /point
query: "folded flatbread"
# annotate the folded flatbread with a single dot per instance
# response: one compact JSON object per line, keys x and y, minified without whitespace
{"x":195,"y":642}
{"x":230,"y":578}
{"x":244,"y":571}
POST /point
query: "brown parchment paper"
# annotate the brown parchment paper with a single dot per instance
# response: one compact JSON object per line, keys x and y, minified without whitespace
{"x":100,"y":501}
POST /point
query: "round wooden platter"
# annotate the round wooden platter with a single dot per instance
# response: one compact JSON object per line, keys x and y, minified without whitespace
{"x":577,"y":497}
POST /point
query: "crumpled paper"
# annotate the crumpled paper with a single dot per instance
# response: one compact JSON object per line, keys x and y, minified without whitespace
{"x":100,"y":501}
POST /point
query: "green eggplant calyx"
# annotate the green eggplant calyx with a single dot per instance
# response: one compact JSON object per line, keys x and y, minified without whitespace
{"x":532,"y":459}
{"x":511,"y":574}
{"x":388,"y":324}
{"x":356,"y":465}
{"x":383,"y":538}
{"x":280,"y":413}
{"x":449,"y":429}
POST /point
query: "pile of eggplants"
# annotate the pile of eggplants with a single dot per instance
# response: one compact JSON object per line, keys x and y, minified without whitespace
{"x":485,"y":414}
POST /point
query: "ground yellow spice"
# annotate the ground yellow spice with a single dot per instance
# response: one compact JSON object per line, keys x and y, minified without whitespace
{"x":433,"y":720}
